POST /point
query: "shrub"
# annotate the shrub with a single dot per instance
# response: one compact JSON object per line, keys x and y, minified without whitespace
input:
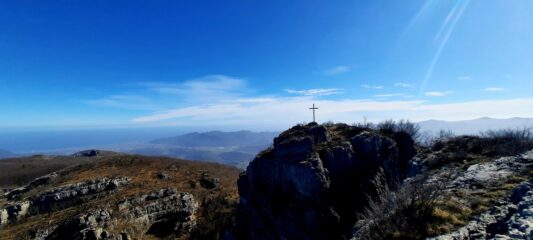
{"x":391,"y":126}
{"x":506,"y":142}
{"x":404,"y":214}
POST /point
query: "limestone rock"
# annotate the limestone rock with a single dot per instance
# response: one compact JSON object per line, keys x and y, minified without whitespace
{"x":314,"y":180}
{"x":87,"y":226}
{"x":511,"y":218}
{"x":165,"y":211}
{"x":14,"y":212}
{"x":40,"y":181}
{"x":74,"y":193}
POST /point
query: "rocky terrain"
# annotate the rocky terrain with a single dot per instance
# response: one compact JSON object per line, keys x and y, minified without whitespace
{"x":331,"y":181}
{"x":122,"y":197}
{"x":337,"y":181}
{"x":314,"y":180}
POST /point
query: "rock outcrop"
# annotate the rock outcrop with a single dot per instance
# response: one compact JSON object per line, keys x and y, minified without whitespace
{"x":509,"y":218}
{"x":314,"y":180}
{"x":85,"y":226}
{"x":162,"y":212}
{"x":56,"y":198}
{"x":74,"y":193}
{"x":165,"y":212}
{"x":88,"y":153}
{"x":40,"y":181}
{"x":13,"y":212}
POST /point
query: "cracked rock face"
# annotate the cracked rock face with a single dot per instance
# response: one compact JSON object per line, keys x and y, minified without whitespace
{"x":73,"y":193}
{"x":165,"y":211}
{"x":162,"y":213}
{"x":85,"y":226}
{"x":314,"y":179}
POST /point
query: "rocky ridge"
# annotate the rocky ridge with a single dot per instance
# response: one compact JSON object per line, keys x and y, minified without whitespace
{"x":314,"y":180}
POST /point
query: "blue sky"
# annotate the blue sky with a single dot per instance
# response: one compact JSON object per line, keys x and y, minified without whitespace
{"x":260,"y":65}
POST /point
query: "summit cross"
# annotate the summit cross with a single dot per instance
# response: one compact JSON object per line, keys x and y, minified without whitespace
{"x":313,"y":108}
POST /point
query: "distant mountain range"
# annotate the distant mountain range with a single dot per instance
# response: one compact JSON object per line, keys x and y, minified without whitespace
{"x":6,"y":154}
{"x":476,"y":125}
{"x":219,"y":139}
{"x":234,"y":148}
{"x":231,"y":148}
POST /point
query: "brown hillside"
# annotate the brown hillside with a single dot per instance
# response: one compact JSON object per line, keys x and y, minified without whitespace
{"x":146,"y":174}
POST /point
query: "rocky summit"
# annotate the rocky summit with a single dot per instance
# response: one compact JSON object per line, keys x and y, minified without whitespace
{"x":329,"y":181}
{"x":312,"y":182}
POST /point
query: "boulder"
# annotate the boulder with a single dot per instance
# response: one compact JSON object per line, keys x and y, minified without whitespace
{"x":13,"y":212}
{"x":208,"y":182}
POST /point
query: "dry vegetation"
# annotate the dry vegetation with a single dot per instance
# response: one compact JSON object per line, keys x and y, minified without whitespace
{"x":216,"y":205}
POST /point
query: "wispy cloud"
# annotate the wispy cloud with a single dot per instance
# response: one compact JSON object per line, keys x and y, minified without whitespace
{"x":207,"y":87}
{"x":132,"y":102}
{"x":285,"y":111}
{"x":464,"y":78}
{"x":316,"y":92}
{"x":405,"y":85}
{"x":371,"y":86}
{"x":337,"y":70}
{"x":389,"y":95}
{"x":438,"y":94}
{"x":161,"y":95}
{"x":495,"y":89}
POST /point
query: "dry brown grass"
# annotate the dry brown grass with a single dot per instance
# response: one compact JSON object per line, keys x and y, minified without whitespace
{"x":143,"y":174}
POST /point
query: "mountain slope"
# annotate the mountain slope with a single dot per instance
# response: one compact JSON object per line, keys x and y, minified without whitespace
{"x":122,"y":197}
{"x":231,"y":148}
{"x":219,"y":139}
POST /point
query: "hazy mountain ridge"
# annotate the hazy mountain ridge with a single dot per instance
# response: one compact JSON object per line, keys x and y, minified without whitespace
{"x":475,"y":126}
{"x":231,"y":148}
{"x":219,"y":139}
{"x":6,"y":154}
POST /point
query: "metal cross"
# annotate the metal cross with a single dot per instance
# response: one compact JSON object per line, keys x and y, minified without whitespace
{"x":313,"y":108}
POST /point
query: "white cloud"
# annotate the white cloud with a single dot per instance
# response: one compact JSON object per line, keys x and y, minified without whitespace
{"x":495,"y":89}
{"x":131,"y":102}
{"x":337,"y":70}
{"x":438,"y":94}
{"x":389,"y":95}
{"x":464,"y":78}
{"x":285,"y":111}
{"x":371,"y":86}
{"x":231,"y":104}
{"x":402,"y":85}
{"x":316,"y":92}
{"x":206,"y":88}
